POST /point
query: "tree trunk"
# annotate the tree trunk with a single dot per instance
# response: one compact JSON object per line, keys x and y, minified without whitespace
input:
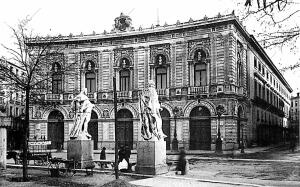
{"x":25,"y":136}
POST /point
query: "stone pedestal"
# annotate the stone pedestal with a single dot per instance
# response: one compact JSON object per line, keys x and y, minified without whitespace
{"x":81,"y":151}
{"x":151,"y":157}
{"x":3,"y":142}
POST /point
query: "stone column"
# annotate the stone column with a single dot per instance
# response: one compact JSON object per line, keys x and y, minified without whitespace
{"x":3,"y":142}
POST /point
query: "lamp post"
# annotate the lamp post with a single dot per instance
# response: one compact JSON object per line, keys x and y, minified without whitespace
{"x":242,"y":145}
{"x":220,"y":110}
{"x":175,"y":141}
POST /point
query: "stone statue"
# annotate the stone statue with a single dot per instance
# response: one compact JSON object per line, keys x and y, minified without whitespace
{"x":82,"y":117}
{"x":150,"y":116}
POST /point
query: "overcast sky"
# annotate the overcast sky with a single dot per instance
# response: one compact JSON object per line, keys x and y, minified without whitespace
{"x":55,"y":17}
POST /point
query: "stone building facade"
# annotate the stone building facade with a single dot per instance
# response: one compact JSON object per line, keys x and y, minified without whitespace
{"x":295,"y":114}
{"x":196,"y":65}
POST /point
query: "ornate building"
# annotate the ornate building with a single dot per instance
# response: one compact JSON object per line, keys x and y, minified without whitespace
{"x":11,"y":108}
{"x":198,"y":67}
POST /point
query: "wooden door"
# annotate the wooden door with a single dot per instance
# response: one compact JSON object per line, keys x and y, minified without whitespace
{"x":125,"y":128}
{"x":56,"y":130}
{"x":93,"y":129}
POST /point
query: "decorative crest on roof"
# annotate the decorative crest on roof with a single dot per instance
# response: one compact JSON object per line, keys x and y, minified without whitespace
{"x":122,"y":23}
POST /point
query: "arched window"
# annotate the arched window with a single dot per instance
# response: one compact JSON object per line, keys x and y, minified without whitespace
{"x":56,"y":78}
{"x":124,"y":75}
{"x":200,"y":68}
{"x":90,"y":77}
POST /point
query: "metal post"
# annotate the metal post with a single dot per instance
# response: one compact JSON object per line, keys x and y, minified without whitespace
{"x":242,"y":146}
{"x":220,"y":110}
{"x":175,"y":141}
{"x":116,"y":137}
{"x":219,"y":140}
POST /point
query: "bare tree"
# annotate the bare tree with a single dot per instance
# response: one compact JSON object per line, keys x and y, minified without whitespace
{"x":34,"y":61}
{"x":280,"y":20}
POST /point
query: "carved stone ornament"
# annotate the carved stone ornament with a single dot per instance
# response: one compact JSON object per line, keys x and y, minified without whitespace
{"x":122,"y":23}
{"x":196,"y":45}
{"x":88,"y":56}
{"x":120,"y":55}
{"x":160,"y":50}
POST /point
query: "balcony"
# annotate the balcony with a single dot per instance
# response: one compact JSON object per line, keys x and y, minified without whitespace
{"x":6,"y":121}
{"x":54,"y":97}
{"x":124,"y":94}
{"x":92,"y":96}
{"x":197,"y":90}
{"x":162,"y":92}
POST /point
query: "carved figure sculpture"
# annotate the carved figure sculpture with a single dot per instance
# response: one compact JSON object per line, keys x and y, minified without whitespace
{"x":150,"y":116}
{"x":83,"y":116}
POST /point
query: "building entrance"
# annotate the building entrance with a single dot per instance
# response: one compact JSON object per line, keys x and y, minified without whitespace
{"x":56,"y":129}
{"x":93,"y":129}
{"x":125,"y":128}
{"x":200,"y":129}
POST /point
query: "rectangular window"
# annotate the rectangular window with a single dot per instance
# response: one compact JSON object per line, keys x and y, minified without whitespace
{"x":259,"y":90}
{"x":255,"y":88}
{"x":200,"y":75}
{"x":161,"y":78}
{"x":255,"y":62}
{"x":259,"y":66}
{"x":124,"y":80}
{"x":90,"y":82}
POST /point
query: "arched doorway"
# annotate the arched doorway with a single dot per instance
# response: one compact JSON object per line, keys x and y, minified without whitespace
{"x":93,"y":129}
{"x":56,"y":129}
{"x":125,"y":128}
{"x":165,"y":115}
{"x":200,"y":129}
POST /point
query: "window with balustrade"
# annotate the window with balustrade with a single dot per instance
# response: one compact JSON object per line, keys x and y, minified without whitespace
{"x":200,"y":68}
{"x":161,"y":72}
{"x":90,"y":77}
{"x":124,"y":75}
{"x":56,"y":78}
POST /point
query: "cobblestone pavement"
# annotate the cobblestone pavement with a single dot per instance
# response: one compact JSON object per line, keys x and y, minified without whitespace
{"x":269,"y":166}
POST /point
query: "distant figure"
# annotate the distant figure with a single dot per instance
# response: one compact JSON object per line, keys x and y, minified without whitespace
{"x":293,"y":143}
{"x":182,"y":162}
{"x":103,"y":157}
{"x":121,"y":154}
{"x":127,"y":156}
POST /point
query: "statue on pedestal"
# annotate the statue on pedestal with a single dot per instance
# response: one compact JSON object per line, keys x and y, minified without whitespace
{"x":83,"y":110}
{"x":150,"y":114}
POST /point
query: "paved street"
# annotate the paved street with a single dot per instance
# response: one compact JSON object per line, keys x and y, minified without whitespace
{"x":268,"y":166}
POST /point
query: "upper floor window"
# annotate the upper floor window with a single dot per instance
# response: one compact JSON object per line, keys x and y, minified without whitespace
{"x":255,"y":62}
{"x":259,"y":66}
{"x":56,"y":78}
{"x":124,"y":80}
{"x":161,"y":78}
{"x":200,"y":68}
{"x":90,"y":77}
{"x":239,"y":64}
{"x":124,"y":75}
